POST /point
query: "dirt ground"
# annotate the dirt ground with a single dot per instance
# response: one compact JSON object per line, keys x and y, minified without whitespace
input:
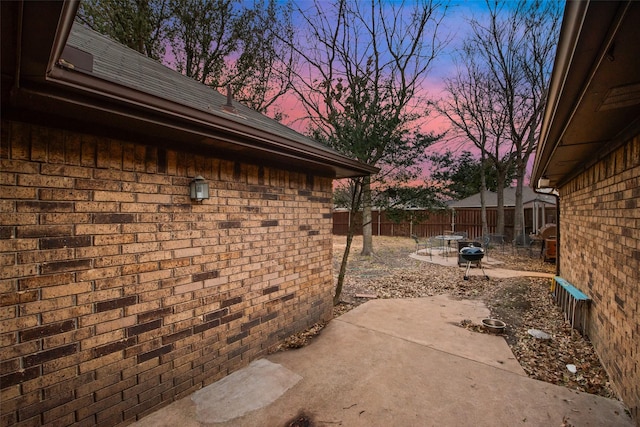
{"x":522,"y":303}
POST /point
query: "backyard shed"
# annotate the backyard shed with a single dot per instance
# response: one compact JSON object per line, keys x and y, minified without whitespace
{"x":119,"y":292}
{"x":539,"y":210}
{"x":589,"y":154}
{"x":460,"y":216}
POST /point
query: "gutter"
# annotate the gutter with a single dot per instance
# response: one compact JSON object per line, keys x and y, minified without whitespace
{"x":572,"y":24}
{"x":554,"y":193}
{"x":115,"y":94}
{"x":569,"y":83}
{"x":87,"y":91}
{"x":44,"y":101}
{"x":67,"y":16}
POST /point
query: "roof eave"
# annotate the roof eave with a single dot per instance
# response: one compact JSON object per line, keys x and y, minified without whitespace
{"x":572,"y":22}
{"x":110,"y":96}
{"x":592,"y":105}
{"x":42,"y":79}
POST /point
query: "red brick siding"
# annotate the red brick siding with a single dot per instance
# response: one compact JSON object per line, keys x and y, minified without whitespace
{"x":118,"y":294}
{"x":600,"y":254}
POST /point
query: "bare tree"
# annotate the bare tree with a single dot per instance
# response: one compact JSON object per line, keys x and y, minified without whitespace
{"x":474,"y":111}
{"x":220,"y":43}
{"x":362,"y":85}
{"x":517,"y":45}
{"x":139,"y":24}
{"x":262,"y":72}
{"x":203,"y":34}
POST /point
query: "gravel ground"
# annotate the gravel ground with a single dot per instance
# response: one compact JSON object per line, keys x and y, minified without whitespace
{"x":522,"y":303}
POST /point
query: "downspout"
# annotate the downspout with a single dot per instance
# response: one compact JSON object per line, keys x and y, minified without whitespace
{"x":16,"y":80}
{"x":557,"y":197}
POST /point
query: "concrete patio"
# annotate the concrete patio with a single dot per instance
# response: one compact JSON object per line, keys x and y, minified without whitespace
{"x":492,"y":266}
{"x":392,"y":362}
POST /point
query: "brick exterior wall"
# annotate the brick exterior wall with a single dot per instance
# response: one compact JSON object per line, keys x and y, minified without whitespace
{"x":600,"y":254}
{"x":119,"y":295}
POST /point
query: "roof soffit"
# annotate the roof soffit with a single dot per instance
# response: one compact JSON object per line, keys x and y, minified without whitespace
{"x":595,"y":96}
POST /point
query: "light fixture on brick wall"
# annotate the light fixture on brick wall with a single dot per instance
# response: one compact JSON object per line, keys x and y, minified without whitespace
{"x":543,"y":182}
{"x":199,"y":189}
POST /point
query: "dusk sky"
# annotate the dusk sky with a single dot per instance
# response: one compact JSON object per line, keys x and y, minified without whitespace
{"x":454,"y":28}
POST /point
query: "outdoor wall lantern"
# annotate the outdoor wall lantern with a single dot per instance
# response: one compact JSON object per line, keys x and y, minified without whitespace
{"x":543,"y":182}
{"x":199,"y":189}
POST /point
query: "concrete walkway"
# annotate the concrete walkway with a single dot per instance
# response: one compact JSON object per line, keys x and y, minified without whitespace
{"x":392,"y":362}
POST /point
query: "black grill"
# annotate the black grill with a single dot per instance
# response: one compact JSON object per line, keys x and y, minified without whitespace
{"x":472,"y":254}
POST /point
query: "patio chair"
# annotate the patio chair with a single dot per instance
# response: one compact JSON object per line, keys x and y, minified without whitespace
{"x":464,"y":234}
{"x":427,"y":245}
{"x":522,"y":241}
{"x":432,"y":242}
{"x":497,"y":239}
{"x":486,"y":244}
{"x":419,"y":243}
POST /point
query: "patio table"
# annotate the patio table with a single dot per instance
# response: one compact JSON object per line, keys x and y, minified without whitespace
{"x":448,"y":238}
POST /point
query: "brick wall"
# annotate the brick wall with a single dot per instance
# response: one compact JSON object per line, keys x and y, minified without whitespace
{"x":118,"y":294}
{"x":600,"y":254}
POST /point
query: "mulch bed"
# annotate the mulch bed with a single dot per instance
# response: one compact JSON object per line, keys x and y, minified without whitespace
{"x":522,"y":303}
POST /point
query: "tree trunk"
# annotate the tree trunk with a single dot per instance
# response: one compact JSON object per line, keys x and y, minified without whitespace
{"x":519,"y":228}
{"x":483,"y":190}
{"x":355,"y":206}
{"x":367,"y":236}
{"x":500,"y":178}
{"x":343,"y":266}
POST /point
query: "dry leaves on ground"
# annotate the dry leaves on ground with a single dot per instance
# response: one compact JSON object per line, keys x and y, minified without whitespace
{"x":300,"y":339}
{"x":522,"y":303}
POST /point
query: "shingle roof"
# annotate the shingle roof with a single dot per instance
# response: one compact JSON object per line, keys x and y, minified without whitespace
{"x":491,"y":199}
{"x":119,"y":64}
{"x":198,"y":104}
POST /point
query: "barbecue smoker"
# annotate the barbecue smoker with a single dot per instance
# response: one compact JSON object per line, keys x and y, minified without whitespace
{"x":472,"y":254}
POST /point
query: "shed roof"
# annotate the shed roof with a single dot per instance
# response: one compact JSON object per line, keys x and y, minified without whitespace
{"x":491,"y":199}
{"x":69,"y":74}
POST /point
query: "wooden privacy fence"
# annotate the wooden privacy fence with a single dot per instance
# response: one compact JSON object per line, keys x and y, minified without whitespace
{"x":429,"y":223}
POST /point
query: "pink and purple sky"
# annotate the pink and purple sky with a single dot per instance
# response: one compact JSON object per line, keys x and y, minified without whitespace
{"x":454,"y":28}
